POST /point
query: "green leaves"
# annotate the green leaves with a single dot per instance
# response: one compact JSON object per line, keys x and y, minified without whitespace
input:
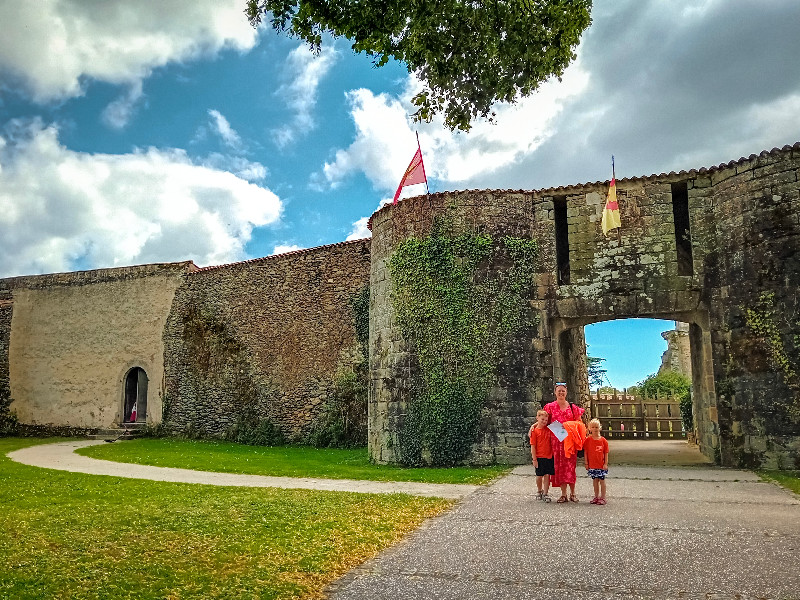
{"x":780,"y":336}
{"x":468,"y":54}
{"x":457,"y":300}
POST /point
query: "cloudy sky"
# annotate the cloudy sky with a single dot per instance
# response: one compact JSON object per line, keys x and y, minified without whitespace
{"x":166,"y":130}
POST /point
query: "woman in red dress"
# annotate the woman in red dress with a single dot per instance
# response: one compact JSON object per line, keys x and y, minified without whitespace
{"x":562,"y":411}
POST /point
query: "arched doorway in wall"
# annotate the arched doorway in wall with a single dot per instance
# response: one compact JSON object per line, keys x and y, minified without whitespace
{"x":135,"y":396}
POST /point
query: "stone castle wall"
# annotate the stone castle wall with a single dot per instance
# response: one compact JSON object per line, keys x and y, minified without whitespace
{"x":677,"y":358}
{"x":269,"y":335}
{"x":737,"y":238}
{"x":74,"y":337}
{"x":264,"y":337}
{"x":6,"y":308}
{"x":756,"y":249}
{"x":523,"y":382}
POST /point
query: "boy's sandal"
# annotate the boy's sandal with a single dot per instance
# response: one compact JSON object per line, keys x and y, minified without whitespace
{"x":546,"y":498}
{"x":601,"y":500}
{"x":573,"y":498}
{"x":562,"y":500}
{"x":538,"y":495}
{"x":594,"y":501}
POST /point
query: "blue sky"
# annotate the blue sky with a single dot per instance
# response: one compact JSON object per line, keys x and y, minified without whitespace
{"x":170,"y":129}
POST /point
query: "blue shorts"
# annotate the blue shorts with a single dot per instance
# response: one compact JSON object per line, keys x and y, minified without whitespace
{"x":598,"y":473}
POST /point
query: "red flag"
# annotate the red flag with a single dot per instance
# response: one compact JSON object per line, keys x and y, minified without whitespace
{"x":415,"y":173}
{"x":133,"y":412}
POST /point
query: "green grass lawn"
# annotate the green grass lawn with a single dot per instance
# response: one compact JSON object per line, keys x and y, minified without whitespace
{"x":288,"y":461}
{"x":75,"y":536}
{"x":788,"y":479}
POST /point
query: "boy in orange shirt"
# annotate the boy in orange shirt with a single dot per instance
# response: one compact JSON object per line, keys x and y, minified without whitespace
{"x":542,"y":454}
{"x":596,"y":460}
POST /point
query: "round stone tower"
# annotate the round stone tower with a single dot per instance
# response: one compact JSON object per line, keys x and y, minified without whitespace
{"x":525,"y":371}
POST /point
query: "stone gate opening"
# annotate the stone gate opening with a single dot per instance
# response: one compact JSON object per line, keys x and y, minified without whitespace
{"x":569,"y":366}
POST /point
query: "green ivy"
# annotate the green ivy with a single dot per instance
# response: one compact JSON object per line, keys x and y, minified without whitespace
{"x":458,"y":300}
{"x":781,"y":343}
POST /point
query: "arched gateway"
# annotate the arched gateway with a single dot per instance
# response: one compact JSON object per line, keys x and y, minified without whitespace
{"x":716,"y":248}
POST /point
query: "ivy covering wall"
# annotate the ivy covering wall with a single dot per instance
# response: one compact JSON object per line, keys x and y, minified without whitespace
{"x":458,"y":300}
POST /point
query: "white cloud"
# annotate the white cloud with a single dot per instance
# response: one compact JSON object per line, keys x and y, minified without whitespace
{"x":65,"y":210}
{"x":51,"y":46}
{"x":118,"y":113}
{"x":223,"y":129}
{"x":284,"y":248}
{"x":360,"y":230}
{"x":300,"y":94}
{"x":238,"y":165}
{"x":385,"y":139}
{"x":641,"y":92}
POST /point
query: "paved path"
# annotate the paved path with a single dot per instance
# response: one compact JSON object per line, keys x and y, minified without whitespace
{"x":666,"y":532}
{"x":62,"y":457}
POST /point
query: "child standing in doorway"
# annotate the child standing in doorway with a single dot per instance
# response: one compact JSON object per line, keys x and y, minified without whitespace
{"x":542,"y":454}
{"x":596,"y":460}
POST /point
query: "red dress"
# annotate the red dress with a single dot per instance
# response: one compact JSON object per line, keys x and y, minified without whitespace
{"x":564,"y":467}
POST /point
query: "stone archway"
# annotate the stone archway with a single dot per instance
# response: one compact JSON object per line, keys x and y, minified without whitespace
{"x":568,"y":348}
{"x":135,"y":395}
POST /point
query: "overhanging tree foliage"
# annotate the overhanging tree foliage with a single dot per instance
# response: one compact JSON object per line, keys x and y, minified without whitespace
{"x":469,"y":54}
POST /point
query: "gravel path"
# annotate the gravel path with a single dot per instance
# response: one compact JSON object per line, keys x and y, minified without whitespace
{"x":62,"y":457}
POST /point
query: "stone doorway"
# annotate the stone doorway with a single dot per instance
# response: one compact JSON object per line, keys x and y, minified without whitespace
{"x":135,"y":396}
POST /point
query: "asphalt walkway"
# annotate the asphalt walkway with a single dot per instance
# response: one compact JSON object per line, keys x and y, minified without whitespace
{"x":669,"y":530}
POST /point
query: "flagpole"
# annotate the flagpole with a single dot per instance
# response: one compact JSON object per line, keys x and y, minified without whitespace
{"x":614,"y":179}
{"x":427,"y":189}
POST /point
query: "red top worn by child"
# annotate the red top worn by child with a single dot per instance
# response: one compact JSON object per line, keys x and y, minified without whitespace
{"x":595,"y":452}
{"x":540,"y":440}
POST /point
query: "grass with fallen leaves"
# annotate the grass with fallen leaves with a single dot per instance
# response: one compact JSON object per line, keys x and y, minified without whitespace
{"x":70,"y":535}
{"x":287,"y":461}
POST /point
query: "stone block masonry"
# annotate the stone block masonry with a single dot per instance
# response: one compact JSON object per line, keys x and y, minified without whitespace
{"x":701,"y":247}
{"x":263,"y":338}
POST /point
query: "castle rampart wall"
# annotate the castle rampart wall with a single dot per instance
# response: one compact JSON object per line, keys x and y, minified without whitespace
{"x":737,"y":238}
{"x":74,"y":336}
{"x":756,"y":250}
{"x":263,"y":337}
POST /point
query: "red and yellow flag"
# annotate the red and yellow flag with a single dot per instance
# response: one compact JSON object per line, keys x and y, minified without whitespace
{"x":611,"y":211}
{"x":415,"y":173}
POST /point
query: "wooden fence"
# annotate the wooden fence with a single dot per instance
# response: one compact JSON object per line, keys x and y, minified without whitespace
{"x":624,"y":416}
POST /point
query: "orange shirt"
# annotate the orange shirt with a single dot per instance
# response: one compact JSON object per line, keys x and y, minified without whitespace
{"x":595,"y":452}
{"x":540,"y":439}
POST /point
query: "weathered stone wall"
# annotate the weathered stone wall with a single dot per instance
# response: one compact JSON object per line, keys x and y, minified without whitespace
{"x":524,"y":380}
{"x":678,"y":356}
{"x":742,"y":240}
{"x":264,"y":337}
{"x":6,"y":308}
{"x":74,"y":336}
{"x":756,"y":210}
